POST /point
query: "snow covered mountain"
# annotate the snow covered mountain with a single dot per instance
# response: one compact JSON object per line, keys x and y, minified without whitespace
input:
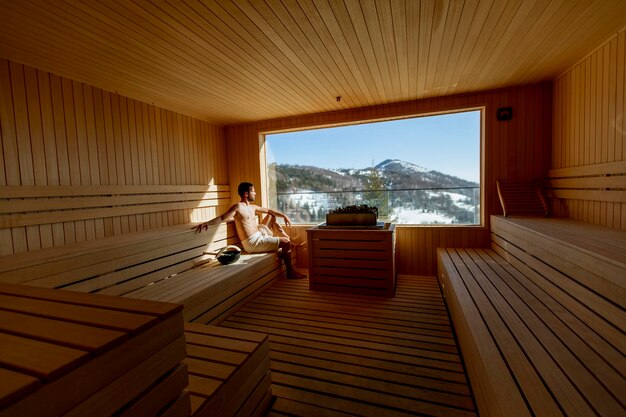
{"x":418,"y":195}
{"x":397,"y":165}
{"x":395,"y":174}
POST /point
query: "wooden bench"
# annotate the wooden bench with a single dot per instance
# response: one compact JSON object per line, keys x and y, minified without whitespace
{"x":540,"y":317}
{"x":166,"y":264}
{"x":603,"y":183}
{"x":72,"y":354}
{"x":69,"y":354}
{"x":229,"y":372}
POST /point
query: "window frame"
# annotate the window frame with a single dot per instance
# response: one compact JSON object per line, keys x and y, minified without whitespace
{"x":482,"y":109}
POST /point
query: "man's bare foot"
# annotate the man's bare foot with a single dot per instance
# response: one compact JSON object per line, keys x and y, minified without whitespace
{"x":296,"y":275}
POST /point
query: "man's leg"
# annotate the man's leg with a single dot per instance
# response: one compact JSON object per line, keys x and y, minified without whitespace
{"x":284,"y":249}
{"x":271,"y":223}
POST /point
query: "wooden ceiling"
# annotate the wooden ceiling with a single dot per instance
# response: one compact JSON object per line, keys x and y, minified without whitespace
{"x":248,"y":60}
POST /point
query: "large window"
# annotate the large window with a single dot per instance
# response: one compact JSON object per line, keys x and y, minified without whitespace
{"x":419,"y":170}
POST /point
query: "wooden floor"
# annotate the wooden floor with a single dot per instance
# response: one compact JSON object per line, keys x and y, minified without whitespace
{"x":349,"y":355}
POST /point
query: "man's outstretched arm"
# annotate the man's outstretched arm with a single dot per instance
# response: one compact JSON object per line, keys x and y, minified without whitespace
{"x":274,"y":213}
{"x":218,"y":220}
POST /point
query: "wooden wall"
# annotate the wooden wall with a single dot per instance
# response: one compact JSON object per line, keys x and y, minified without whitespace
{"x":589,"y":137}
{"x":517,"y":149}
{"x":120,"y":165}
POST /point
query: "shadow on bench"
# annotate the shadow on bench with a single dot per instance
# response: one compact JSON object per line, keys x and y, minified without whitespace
{"x":540,"y":317}
{"x":166,"y":264}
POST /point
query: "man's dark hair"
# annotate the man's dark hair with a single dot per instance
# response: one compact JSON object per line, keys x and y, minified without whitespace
{"x":243,"y":188}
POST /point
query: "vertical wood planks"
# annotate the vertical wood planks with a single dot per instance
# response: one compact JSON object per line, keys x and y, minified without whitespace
{"x":60,"y":132}
{"x":589,"y":126}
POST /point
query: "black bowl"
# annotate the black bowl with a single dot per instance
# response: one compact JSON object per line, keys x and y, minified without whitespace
{"x":229,"y":256}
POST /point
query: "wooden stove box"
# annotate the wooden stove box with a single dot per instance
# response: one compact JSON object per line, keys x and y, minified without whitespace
{"x":355,"y":260}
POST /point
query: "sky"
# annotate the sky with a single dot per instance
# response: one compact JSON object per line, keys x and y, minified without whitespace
{"x":448,"y":143}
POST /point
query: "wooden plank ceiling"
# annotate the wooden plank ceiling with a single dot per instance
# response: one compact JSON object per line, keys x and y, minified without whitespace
{"x":248,"y":60}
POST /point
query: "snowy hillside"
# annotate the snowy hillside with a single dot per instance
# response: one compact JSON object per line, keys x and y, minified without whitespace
{"x":404,"y":193}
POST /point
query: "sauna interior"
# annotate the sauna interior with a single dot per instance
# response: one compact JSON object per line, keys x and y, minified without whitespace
{"x":125,"y":123}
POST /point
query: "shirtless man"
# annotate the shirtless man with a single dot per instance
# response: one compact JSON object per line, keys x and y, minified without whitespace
{"x":268,"y":236}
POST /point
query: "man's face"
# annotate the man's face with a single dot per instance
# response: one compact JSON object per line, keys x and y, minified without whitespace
{"x":251,"y":195}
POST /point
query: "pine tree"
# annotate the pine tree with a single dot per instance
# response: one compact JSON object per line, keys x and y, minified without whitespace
{"x":377,"y":194}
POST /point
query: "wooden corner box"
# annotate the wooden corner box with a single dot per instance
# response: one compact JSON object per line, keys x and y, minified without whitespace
{"x":360,"y":261}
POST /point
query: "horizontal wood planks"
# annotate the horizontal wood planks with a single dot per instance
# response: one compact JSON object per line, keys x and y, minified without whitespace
{"x":97,"y":203}
{"x":530,"y":349}
{"x":63,"y":353}
{"x":585,"y":185}
{"x":580,"y":264}
{"x":66,"y":144}
{"x":211,"y":291}
{"x":173,"y":264}
{"x":589,"y":137}
{"x":119,"y":264}
{"x":341,"y":354}
{"x":229,"y":373}
{"x":353,"y":261}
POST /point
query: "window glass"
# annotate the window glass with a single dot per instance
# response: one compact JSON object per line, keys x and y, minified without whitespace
{"x":420,"y":170}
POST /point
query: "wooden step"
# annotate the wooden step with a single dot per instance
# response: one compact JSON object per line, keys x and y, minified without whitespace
{"x":71,"y":354}
{"x":229,"y":371}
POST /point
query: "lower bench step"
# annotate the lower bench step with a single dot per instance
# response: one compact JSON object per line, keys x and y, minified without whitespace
{"x":229,"y":372}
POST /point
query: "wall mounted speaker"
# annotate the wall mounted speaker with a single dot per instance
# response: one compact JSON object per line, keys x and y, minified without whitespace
{"x":504,"y":113}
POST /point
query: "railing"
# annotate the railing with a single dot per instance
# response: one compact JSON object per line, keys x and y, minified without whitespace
{"x":437,"y":205}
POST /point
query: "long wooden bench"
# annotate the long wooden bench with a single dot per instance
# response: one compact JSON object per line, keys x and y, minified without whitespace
{"x":228,"y":369}
{"x":68,"y":354}
{"x":72,"y":354}
{"x":172,"y":264}
{"x":540,"y":317}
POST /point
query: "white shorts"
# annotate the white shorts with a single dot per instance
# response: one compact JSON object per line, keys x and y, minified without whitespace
{"x":261,"y":241}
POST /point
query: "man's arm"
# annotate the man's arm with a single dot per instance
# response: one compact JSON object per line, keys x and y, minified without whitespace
{"x":272,"y":212}
{"x":219,"y":219}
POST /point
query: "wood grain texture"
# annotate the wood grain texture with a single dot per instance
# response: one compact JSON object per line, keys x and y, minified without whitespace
{"x":546,"y":350}
{"x":229,"y":371}
{"x":65,"y":140}
{"x":589,"y":137}
{"x":539,"y":317}
{"x":234,"y":61}
{"x":174,"y":264}
{"x":517,"y":149}
{"x":352,"y":261}
{"x":344,"y":354}
{"x":66,"y":353}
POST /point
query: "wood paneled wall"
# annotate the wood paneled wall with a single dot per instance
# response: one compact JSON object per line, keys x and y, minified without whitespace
{"x":516,"y":149}
{"x":64,"y":138}
{"x":589,"y":136}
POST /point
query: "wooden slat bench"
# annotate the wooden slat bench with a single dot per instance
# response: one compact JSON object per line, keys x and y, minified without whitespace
{"x":229,"y":373}
{"x":56,"y":205}
{"x":540,"y":317}
{"x":69,"y":354}
{"x":605,"y":182}
{"x":165,"y":264}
